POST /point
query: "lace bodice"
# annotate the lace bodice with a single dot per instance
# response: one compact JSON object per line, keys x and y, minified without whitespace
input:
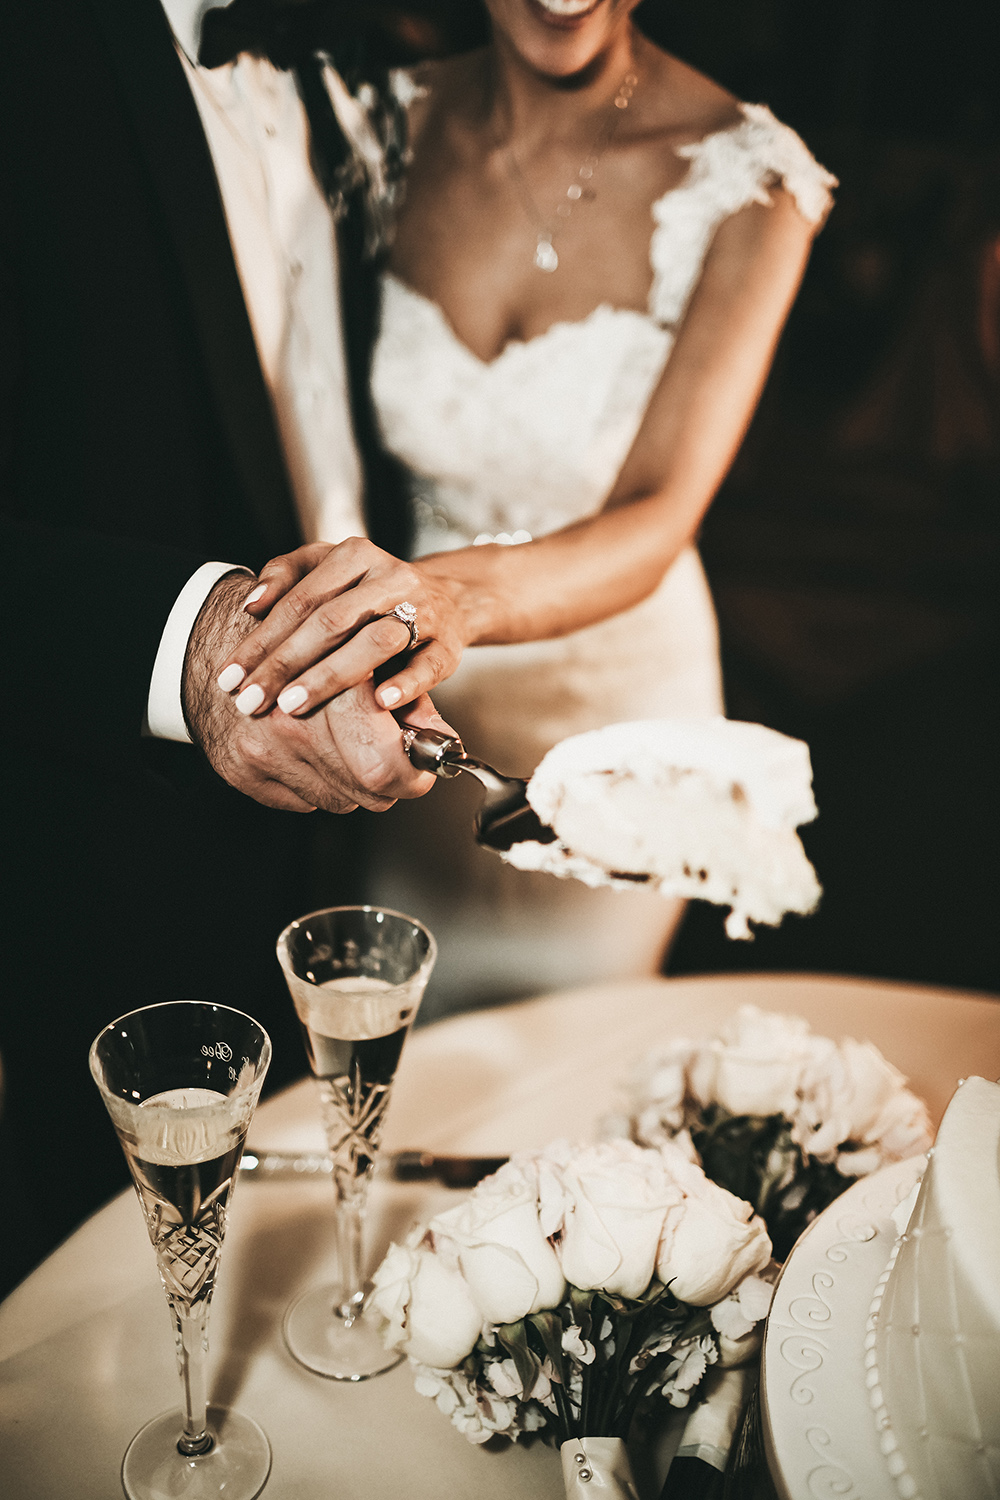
{"x":535,"y":438}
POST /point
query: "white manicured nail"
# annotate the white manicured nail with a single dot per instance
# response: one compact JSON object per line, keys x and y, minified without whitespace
{"x":250,"y":699}
{"x":390,"y":696}
{"x":291,"y":699}
{"x":258,"y":593}
{"x":230,"y":677}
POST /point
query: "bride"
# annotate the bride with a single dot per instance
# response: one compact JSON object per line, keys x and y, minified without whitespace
{"x":597,"y":252}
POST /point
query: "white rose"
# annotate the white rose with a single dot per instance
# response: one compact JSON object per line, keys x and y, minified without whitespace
{"x":506,"y":1259}
{"x":615,"y":1198}
{"x":710,"y":1240}
{"x":754,"y":1066}
{"x":659,"y":1088}
{"x":903,"y":1127}
{"x":427,"y":1306}
{"x":846,"y":1088}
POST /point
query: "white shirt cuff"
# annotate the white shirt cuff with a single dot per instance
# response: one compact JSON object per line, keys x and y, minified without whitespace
{"x":164,"y":707}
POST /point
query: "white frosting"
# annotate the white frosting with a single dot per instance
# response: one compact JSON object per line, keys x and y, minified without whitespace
{"x":705,"y":808}
{"x":933,"y":1360}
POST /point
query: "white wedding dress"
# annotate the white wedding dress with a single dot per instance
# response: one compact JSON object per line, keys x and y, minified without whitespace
{"x":513,"y":448}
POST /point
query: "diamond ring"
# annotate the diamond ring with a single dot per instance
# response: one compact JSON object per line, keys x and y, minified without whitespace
{"x":407,"y":615}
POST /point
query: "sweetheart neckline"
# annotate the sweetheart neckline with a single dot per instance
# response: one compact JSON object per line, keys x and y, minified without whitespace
{"x":786,"y":158}
{"x":690,"y":150}
{"x":515,"y":345}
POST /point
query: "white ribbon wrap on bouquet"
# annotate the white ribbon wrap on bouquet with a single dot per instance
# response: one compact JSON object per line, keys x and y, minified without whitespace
{"x":595,"y":1466}
{"x":712,"y":1425}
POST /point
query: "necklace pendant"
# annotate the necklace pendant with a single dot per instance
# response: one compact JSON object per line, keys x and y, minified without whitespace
{"x":546,"y":258}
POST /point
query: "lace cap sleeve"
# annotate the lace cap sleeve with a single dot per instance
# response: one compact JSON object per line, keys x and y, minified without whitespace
{"x":729,"y":169}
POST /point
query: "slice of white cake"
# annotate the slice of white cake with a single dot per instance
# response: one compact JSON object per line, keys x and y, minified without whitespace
{"x":703,"y":808}
{"x":933,"y":1340}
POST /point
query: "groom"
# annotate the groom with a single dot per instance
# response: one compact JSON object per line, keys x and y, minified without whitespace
{"x":173,"y":407}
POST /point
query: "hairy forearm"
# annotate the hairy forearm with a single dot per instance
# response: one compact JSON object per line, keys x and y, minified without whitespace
{"x":218,"y":630}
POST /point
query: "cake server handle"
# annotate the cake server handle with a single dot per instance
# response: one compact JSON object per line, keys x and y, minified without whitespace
{"x":505,"y":817}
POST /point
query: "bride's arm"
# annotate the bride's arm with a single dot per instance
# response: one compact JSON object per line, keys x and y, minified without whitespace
{"x":329,"y":632}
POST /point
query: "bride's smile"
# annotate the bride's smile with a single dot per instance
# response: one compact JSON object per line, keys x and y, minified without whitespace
{"x":565,"y":13}
{"x":559,"y":38}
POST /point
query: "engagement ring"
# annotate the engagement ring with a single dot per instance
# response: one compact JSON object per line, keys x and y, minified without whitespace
{"x":407,"y":614}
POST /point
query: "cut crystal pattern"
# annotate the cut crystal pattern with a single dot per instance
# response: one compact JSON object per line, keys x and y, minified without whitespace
{"x":187,"y":1247}
{"x":353,"y":1115}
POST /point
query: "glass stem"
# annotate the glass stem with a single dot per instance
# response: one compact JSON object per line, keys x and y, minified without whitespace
{"x":350,"y":1276}
{"x":191,"y":1334}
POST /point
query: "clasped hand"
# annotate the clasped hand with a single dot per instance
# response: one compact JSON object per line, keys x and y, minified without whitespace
{"x":345,"y":754}
{"x":328,"y":626}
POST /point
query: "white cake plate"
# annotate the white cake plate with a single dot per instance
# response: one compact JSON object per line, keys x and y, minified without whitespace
{"x":819,"y":1428}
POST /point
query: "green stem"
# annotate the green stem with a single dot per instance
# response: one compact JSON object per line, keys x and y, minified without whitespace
{"x":565,"y":1406}
{"x":585,"y":1401}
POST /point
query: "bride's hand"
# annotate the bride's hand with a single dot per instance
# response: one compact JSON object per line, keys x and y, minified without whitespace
{"x":329,"y":625}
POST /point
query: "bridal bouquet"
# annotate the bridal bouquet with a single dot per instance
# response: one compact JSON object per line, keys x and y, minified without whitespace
{"x":779,"y":1116}
{"x":574,"y":1289}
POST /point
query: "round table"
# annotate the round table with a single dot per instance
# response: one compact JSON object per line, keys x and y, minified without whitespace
{"x":86,"y":1353}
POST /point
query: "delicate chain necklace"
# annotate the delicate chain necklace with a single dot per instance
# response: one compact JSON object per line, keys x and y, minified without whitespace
{"x":579,"y":190}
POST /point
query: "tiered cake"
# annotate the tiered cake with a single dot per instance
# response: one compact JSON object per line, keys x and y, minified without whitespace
{"x":933,"y":1336}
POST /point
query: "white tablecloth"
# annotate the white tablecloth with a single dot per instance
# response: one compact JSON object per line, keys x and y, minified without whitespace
{"x":86,"y":1354}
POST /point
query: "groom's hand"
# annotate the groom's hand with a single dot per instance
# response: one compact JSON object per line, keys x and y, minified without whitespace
{"x":347,"y":754}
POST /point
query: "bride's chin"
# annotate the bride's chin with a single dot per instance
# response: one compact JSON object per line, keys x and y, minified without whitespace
{"x":559,"y":39}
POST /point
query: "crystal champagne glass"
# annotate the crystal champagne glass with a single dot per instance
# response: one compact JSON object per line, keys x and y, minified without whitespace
{"x":356,"y":975}
{"x":181,"y":1081}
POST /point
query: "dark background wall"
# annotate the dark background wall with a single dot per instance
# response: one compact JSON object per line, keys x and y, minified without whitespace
{"x":853,"y":551}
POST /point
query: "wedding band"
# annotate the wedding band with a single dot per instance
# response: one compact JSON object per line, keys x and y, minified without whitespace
{"x":407,"y":615}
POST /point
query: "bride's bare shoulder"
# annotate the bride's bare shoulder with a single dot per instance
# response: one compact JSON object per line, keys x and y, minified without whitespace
{"x":680,"y":101}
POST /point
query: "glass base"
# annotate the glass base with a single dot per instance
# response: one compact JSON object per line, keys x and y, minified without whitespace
{"x":236,"y":1468}
{"x":324,"y":1343}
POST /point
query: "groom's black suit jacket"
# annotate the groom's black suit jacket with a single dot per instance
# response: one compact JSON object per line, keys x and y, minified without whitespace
{"x":137,"y":442}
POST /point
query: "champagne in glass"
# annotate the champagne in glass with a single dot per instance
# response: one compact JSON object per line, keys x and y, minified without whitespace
{"x":181,"y":1082}
{"x":357,"y":975}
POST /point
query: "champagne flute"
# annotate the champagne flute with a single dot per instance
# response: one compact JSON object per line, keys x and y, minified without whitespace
{"x":181,"y":1081}
{"x":356,"y":975}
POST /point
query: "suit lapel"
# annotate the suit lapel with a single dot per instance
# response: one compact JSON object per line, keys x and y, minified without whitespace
{"x":183,"y":179}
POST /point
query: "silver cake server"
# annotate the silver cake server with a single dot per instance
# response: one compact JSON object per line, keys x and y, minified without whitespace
{"x":505,"y":817}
